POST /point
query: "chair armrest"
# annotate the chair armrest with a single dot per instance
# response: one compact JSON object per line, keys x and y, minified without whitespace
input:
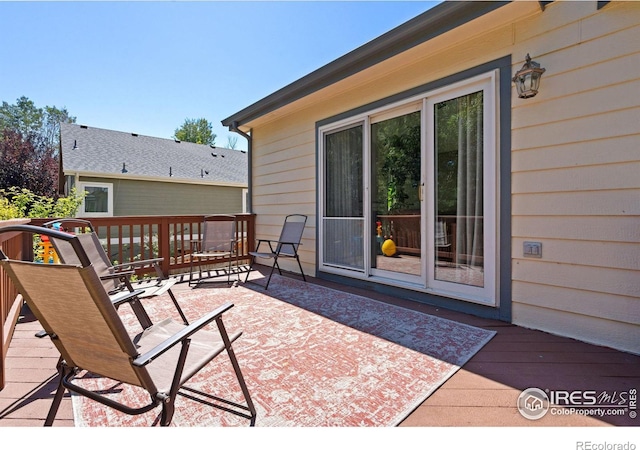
{"x":268,"y":241}
{"x":125,"y":297}
{"x":141,"y":263}
{"x":155,"y":263}
{"x":289,"y":243}
{"x":159,"y":349}
{"x":122,"y":274}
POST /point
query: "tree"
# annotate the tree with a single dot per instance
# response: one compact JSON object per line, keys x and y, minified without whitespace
{"x":20,"y":202}
{"x":53,"y":117}
{"x":29,"y":139}
{"x":232,"y":142}
{"x":198,"y":131}
{"x":33,"y":123}
{"x":27,"y":163}
{"x":23,"y":117}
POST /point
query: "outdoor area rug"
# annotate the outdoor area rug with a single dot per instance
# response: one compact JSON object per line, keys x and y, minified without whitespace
{"x":311,"y":357}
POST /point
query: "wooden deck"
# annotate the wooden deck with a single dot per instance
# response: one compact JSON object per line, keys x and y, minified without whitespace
{"x":482,"y":394}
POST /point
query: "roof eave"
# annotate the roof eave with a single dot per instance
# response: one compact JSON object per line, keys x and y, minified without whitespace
{"x":92,"y":174}
{"x":428,"y":25}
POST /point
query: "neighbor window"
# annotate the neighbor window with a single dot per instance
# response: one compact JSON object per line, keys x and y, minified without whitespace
{"x":98,"y":200}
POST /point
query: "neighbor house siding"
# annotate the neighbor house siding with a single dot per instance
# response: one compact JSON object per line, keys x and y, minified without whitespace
{"x":576,"y":175}
{"x":136,"y":197}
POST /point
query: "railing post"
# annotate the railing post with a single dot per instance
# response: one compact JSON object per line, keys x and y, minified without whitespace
{"x":164,"y":246}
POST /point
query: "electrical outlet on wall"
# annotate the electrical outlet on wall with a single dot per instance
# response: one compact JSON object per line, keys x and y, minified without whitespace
{"x":532,"y":249}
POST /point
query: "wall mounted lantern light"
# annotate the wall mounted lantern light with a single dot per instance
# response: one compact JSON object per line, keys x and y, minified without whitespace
{"x":527,"y":79}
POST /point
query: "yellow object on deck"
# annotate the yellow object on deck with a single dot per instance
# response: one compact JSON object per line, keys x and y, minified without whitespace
{"x":389,"y":247}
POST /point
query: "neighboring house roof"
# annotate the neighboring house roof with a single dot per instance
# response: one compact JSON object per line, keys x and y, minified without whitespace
{"x":115,"y":154}
{"x":428,"y":25}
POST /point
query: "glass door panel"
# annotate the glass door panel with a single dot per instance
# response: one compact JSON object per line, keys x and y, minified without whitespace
{"x":343,"y":215}
{"x":459,"y":215}
{"x":396,"y":244}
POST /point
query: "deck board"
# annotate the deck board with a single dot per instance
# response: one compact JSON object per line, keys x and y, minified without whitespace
{"x":481,"y":394}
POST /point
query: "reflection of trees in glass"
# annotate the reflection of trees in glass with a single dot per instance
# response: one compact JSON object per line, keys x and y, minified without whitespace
{"x":396,"y":164}
{"x":458,"y":129}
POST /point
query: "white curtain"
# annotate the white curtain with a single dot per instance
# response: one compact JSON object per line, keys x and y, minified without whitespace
{"x":469,"y":233}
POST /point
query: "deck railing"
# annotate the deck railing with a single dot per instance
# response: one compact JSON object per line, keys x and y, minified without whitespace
{"x":125,"y":239}
{"x":169,"y":237}
{"x":15,"y":246}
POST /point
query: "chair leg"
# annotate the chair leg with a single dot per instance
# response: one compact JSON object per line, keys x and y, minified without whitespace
{"x":177,"y":305}
{"x":168,"y":409}
{"x":168,"y":405}
{"x":253,"y":259}
{"x":301,"y":271}
{"x":275,"y":264}
{"x":229,"y":271}
{"x":193,"y":282}
{"x":237,"y":267}
{"x":63,"y":370}
{"x":236,"y":368}
{"x":141,"y":313}
{"x":190,"y":270}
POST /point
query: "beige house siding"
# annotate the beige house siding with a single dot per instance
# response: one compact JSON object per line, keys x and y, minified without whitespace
{"x":575,"y":162}
{"x":284,"y":182}
{"x":137,"y":197}
{"x":576,"y":175}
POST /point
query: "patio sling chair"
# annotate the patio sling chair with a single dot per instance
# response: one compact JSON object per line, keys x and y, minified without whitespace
{"x":285,"y":247}
{"x":443,"y":246}
{"x":116,"y":278}
{"x":78,"y":315}
{"x":218,"y":245}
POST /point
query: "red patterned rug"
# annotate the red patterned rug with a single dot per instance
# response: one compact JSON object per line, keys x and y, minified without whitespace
{"x":311,"y":356}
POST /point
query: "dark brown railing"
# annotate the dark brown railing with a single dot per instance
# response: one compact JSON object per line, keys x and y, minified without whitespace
{"x":125,"y":239}
{"x":15,"y":246}
{"x":169,"y":237}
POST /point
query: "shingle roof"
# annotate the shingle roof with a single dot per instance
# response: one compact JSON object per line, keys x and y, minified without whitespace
{"x":111,"y":153}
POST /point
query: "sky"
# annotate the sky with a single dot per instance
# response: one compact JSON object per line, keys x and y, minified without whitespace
{"x":145,"y":67}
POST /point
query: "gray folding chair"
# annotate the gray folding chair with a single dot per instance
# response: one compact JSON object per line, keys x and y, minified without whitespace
{"x":285,"y":247}
{"x":78,"y":315}
{"x":115,"y":278}
{"x":218,"y":245}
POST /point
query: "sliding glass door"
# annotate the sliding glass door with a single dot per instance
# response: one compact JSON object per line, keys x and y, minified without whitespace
{"x":396,"y":207}
{"x":459,"y":190}
{"x":408,"y":193}
{"x":462,"y":212}
{"x":343,"y":206}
